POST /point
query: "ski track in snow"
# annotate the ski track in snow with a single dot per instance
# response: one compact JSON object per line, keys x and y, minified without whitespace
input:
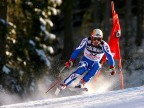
{"x":127,"y":98}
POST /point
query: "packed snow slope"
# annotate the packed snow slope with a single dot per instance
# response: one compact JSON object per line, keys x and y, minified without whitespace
{"x":127,"y":98}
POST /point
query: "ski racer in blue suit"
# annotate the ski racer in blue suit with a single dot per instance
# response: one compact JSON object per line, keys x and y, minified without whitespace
{"x":94,"y":49}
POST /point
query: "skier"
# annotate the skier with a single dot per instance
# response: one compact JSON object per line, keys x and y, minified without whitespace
{"x":94,"y":49}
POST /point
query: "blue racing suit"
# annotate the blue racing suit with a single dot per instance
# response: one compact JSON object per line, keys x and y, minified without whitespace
{"x":90,"y":61}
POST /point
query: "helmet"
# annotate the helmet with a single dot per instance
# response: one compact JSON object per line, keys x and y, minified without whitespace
{"x":97,"y":35}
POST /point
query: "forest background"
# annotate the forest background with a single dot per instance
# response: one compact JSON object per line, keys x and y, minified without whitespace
{"x":38,"y":36}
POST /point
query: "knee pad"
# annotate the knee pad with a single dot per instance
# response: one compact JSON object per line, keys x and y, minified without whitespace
{"x":83,"y":64}
{"x":82,"y":68}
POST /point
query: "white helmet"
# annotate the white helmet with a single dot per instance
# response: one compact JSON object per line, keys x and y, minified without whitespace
{"x":97,"y":33}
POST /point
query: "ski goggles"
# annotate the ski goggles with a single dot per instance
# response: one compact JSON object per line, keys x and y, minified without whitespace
{"x":96,"y":38}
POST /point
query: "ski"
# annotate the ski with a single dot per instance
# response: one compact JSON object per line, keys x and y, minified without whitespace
{"x":78,"y":89}
{"x":57,"y":91}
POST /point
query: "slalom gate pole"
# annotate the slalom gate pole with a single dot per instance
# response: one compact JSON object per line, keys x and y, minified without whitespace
{"x":121,"y":75}
{"x":57,"y":81}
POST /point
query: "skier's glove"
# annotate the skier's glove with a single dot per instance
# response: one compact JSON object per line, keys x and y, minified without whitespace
{"x":69,"y":63}
{"x":112,"y":70}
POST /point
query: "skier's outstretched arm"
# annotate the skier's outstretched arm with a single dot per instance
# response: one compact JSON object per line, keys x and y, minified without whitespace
{"x":110,"y":58}
{"x":75,"y":53}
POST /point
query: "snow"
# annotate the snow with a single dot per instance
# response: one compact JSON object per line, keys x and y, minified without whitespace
{"x":127,"y":98}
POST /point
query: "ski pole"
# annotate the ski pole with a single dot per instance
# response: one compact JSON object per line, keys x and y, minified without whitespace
{"x":61,"y":71}
{"x":57,"y":81}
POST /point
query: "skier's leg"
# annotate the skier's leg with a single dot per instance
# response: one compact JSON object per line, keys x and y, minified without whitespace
{"x":80,"y":70}
{"x":90,"y":74}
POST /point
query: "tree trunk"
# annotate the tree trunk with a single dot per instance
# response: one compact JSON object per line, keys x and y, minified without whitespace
{"x":68,"y":26}
{"x":140,"y":23}
{"x":97,"y":13}
{"x":128,"y":35}
{"x":106,"y":22}
{"x":3,"y":31}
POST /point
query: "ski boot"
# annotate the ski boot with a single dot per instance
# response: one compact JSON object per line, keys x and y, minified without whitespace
{"x":62,"y":86}
{"x":81,"y":84}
